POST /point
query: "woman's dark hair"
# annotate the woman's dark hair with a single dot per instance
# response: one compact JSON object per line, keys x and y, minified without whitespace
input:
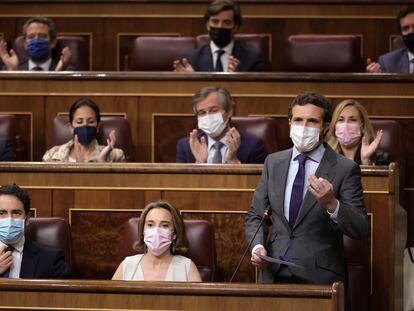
{"x":180,"y":243}
{"x":84,"y":102}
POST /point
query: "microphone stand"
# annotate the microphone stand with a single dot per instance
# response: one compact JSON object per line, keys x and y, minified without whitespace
{"x":267,"y":213}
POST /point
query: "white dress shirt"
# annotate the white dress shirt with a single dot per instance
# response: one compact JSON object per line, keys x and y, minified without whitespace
{"x":17,"y":256}
{"x":228,"y":49}
{"x":45,"y":66}
{"x":211,"y":150}
{"x":411,"y":61}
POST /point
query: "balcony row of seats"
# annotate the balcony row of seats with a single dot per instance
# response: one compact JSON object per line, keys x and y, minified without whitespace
{"x":261,"y":127}
{"x":304,"y":53}
{"x":56,"y":232}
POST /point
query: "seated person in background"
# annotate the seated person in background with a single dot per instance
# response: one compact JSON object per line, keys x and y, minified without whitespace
{"x":20,"y":257}
{"x":351,"y":134}
{"x":222,"y":19}
{"x":84,"y":117}
{"x":218,"y":142}
{"x":40,"y":39}
{"x":400,"y":60}
{"x":162,"y":239}
{"x":6,"y":150}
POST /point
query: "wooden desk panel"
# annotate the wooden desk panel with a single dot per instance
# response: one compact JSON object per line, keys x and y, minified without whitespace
{"x":127,"y":295}
{"x":97,"y":199}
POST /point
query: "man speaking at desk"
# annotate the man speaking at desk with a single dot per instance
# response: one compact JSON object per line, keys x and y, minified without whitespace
{"x":315,"y":196}
{"x":20,"y":257}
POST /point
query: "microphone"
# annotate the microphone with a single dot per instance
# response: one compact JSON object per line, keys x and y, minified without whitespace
{"x":266,"y":216}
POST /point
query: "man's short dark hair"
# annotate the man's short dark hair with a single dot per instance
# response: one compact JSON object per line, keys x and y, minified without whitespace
{"x":218,"y":6}
{"x":19,"y":193}
{"x":224,"y":95}
{"x":84,"y":102}
{"x":315,"y":99}
{"x":42,"y":20}
{"x":403,"y":13}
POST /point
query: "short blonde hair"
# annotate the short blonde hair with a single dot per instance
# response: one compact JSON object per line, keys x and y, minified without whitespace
{"x":367,"y":130}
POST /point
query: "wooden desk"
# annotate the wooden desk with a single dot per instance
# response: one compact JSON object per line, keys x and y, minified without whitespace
{"x":128,"y":295}
{"x":97,"y":199}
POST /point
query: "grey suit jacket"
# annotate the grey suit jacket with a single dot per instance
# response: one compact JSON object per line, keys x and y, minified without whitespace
{"x":395,"y":61}
{"x":316,"y":242}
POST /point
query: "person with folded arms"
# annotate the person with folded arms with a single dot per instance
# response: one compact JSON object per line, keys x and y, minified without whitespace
{"x":39,"y":40}
{"x":84,"y":117}
{"x":351,"y":134}
{"x":161,"y":244}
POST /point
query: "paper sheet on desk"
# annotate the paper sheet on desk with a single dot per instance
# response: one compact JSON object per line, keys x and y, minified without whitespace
{"x":278,"y":261}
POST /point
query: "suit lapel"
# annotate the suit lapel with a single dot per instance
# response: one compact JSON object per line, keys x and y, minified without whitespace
{"x":404,"y":64}
{"x":325,"y":169}
{"x":280,"y":172}
{"x":207,"y":58}
{"x":29,"y":261}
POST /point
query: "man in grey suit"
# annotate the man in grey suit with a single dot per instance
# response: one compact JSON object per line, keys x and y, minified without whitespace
{"x":315,"y":196}
{"x":400,"y":60}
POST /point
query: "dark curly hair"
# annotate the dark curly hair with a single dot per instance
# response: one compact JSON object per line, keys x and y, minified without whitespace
{"x":19,"y":193}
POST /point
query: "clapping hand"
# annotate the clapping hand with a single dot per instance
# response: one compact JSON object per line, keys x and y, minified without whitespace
{"x":368,"y":149}
{"x":198,"y":147}
{"x":11,"y":61}
{"x":65,"y":58}
{"x":108,"y":148}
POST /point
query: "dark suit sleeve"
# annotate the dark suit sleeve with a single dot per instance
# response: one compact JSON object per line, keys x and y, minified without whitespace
{"x":258,"y":154}
{"x":259,"y":204}
{"x":6,"y":152}
{"x":352,"y":219}
{"x":58,"y":268}
{"x":181,"y":151}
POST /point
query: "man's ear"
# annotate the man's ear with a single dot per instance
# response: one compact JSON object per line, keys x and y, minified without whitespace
{"x":53,"y":44}
{"x":27,"y":221}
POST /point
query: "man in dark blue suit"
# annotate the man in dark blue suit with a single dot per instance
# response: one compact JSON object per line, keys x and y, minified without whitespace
{"x":6,"y":150}
{"x":218,"y":142}
{"x":400,"y":60}
{"x":222,"y":53}
{"x":20,"y":257}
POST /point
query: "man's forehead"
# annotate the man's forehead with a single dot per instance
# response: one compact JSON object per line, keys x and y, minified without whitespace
{"x":10,"y":202}
{"x":308,"y":110}
{"x":212,"y":100}
{"x":225,"y":14}
{"x":37,"y":27}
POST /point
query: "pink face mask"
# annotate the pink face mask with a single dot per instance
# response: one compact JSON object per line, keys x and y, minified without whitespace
{"x":158,"y":240}
{"x":348,"y":134}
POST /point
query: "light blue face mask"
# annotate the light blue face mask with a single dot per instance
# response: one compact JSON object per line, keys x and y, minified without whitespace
{"x":11,"y":230}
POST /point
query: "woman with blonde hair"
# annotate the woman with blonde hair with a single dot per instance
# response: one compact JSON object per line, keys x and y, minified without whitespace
{"x":351,"y":134}
{"x":162,"y":242}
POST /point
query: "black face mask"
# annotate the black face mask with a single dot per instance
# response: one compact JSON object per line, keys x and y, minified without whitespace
{"x":220,"y":36}
{"x":409,"y":41}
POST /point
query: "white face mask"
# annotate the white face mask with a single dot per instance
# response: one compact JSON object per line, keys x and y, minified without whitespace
{"x":212,"y":124}
{"x":304,"y":138}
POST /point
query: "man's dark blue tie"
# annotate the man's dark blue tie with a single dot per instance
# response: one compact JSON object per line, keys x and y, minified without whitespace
{"x":296,"y":197}
{"x":297,"y":190}
{"x":6,"y":273}
{"x":219,"y":65}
